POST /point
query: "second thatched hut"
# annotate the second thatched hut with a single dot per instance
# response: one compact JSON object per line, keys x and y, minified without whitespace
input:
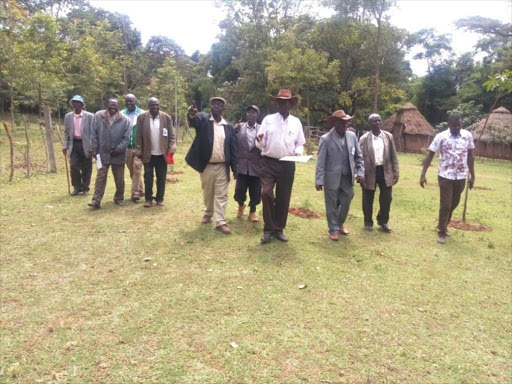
{"x":496,"y":140}
{"x":411,"y":131}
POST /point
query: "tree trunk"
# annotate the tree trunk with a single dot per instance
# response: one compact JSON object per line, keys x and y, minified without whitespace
{"x":376,"y":60}
{"x":11,"y":146}
{"x":27,"y":148}
{"x":11,"y":92}
{"x":49,"y":140}
{"x":44,"y":143}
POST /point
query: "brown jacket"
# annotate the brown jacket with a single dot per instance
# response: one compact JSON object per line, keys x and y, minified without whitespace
{"x":391,"y":171}
{"x":143,"y":141}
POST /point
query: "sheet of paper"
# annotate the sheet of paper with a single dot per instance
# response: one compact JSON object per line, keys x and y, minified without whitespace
{"x":297,"y":159}
{"x":98,"y":161}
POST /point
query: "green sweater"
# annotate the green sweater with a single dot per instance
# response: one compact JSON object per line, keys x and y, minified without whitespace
{"x":133,"y":133}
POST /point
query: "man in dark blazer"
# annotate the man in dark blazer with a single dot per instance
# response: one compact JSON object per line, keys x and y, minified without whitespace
{"x":212,"y":154}
{"x":155,"y":140}
{"x":77,"y":141}
{"x":249,"y":157}
{"x":338,"y":156}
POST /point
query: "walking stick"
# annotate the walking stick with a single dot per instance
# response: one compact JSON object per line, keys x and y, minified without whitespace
{"x":65,"y":160}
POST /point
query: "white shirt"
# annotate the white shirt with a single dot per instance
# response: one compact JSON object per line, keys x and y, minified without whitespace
{"x":154,"y":124}
{"x":378,"y":148}
{"x":281,"y":137}
{"x":453,"y":153}
{"x":219,"y":136}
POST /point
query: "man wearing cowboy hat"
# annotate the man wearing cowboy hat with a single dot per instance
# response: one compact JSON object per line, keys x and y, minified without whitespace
{"x":249,"y":158}
{"x":77,"y":137}
{"x":212,"y":153}
{"x":381,"y":168}
{"x":338,"y":155}
{"x":280,"y":135}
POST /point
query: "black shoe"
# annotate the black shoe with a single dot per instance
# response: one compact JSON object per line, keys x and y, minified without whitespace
{"x":386,"y":228}
{"x":369,"y":228}
{"x":281,"y":237}
{"x":93,"y":205}
{"x":75,"y":192}
{"x":85,"y":192}
{"x":266,"y":238}
{"x":119,"y":202}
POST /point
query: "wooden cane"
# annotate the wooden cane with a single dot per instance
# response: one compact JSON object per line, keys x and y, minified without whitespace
{"x":65,"y":159}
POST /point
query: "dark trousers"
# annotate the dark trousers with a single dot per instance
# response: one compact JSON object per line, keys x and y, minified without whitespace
{"x":244,"y":182}
{"x":278,"y":174}
{"x":81,"y":167}
{"x":385,"y":197}
{"x":450,"y":191}
{"x":101,"y":182}
{"x":158,"y":164}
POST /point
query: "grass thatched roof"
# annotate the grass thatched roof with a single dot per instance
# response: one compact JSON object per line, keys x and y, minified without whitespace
{"x":415,"y":122}
{"x":498,"y":129}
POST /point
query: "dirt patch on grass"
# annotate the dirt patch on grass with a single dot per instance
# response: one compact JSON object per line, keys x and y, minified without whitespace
{"x":483,"y":188}
{"x":176,"y":172}
{"x":304,"y":213}
{"x":172,"y":180}
{"x":459,"y":224}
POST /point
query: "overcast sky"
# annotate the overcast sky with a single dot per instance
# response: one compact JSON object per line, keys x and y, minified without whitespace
{"x":194,"y":24}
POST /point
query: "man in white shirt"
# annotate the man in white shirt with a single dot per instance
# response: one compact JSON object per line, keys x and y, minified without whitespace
{"x":381,"y":169}
{"x":280,"y":135}
{"x":455,"y":146}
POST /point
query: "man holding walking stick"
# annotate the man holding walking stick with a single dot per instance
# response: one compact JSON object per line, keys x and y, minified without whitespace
{"x":77,"y":138}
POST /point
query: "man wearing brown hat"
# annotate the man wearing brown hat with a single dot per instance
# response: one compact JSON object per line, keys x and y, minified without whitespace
{"x":249,"y":158}
{"x":280,"y":134}
{"x":212,"y":154}
{"x":338,"y":156}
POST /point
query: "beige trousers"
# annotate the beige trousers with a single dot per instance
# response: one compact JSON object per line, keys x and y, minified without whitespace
{"x":134,"y":165}
{"x":215,"y":184}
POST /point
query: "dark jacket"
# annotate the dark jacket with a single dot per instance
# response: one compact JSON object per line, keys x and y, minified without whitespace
{"x":248,"y":160}
{"x":143,"y":141}
{"x":200,"y":151}
{"x":69,"y":132}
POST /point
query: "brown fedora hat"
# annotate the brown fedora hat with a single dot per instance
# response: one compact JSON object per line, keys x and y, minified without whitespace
{"x":285,"y":94}
{"x":339,"y":114}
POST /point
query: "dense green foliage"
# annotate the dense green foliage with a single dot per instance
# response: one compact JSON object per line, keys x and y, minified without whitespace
{"x":354,"y":59}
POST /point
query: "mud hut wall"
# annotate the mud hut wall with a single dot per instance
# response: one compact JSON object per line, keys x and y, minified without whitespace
{"x":492,"y":150}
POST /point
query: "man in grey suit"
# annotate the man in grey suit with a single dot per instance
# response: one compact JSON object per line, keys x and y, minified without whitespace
{"x":338,"y":156}
{"x":110,"y":135}
{"x":77,"y":139}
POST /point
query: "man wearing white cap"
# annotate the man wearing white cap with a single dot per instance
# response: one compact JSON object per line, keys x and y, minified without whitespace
{"x":77,"y":138}
{"x":212,"y":154}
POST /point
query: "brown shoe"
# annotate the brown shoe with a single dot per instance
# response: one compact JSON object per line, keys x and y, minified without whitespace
{"x":441,"y":239}
{"x":334,"y":236}
{"x":224,"y":229}
{"x":148,"y":204}
{"x":240,"y":211}
{"x":252,"y":217}
{"x":344,"y":230}
{"x":135,"y":199}
{"x":160,"y":203}
{"x":206,"y":219}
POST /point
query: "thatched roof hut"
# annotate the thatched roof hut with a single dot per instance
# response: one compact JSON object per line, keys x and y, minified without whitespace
{"x":415,"y":122}
{"x":411,"y":131}
{"x":498,"y":129}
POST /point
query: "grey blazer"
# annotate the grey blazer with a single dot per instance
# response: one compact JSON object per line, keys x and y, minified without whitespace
{"x":248,"y":160}
{"x":69,"y":132}
{"x":104,"y":139}
{"x":328,"y":166}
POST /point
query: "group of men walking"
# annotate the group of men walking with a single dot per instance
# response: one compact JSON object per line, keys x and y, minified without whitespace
{"x":254,"y":154}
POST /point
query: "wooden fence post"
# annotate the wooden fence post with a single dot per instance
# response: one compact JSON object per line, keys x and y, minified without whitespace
{"x":27,"y":148}
{"x":11,"y":145}
{"x":49,"y":139}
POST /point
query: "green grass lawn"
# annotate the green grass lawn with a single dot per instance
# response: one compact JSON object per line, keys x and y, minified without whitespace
{"x":79,"y":303}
